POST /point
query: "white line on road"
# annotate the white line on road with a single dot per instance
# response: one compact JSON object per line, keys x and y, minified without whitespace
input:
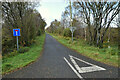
{"x":75,"y":64}
{"x":80,"y":60}
{"x":74,"y":69}
{"x":85,"y":69}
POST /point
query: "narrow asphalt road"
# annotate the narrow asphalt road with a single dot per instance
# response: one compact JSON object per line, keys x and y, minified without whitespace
{"x":58,"y":61}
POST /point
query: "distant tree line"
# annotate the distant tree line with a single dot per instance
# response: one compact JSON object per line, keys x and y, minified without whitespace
{"x":24,"y":16}
{"x":93,"y":21}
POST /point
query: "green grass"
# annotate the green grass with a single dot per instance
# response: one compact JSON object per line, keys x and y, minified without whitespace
{"x":23,"y":59}
{"x":104,"y":55}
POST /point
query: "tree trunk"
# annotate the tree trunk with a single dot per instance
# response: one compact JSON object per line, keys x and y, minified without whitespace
{"x":90,"y":34}
{"x":95,"y":34}
{"x":85,"y":33}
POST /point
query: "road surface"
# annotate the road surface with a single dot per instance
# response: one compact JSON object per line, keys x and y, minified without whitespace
{"x":58,"y":61}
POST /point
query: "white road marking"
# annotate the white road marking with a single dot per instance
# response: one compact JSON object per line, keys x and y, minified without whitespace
{"x":91,"y":69}
{"x":75,"y":64}
{"x":73,"y":69}
{"x":85,"y":69}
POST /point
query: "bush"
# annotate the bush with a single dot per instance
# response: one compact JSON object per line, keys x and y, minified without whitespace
{"x":7,"y":45}
{"x":11,"y":54}
{"x":112,"y":51}
{"x":60,"y":31}
{"x":96,"y":54}
{"x":74,"y":42}
{"x":38,"y":33}
{"x":32,"y":41}
{"x":67,"y":38}
{"x":70,"y":41}
{"x":23,"y":49}
{"x":7,"y":66}
{"x":67,"y":32}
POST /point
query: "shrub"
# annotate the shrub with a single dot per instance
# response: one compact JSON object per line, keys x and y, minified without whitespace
{"x":38,"y":33}
{"x":7,"y":66}
{"x":60,"y":31}
{"x":67,"y":38}
{"x":32,"y":41}
{"x":70,"y":41}
{"x":96,"y":54}
{"x":112,"y":51}
{"x":74,"y":42}
{"x":13,"y":53}
{"x":10,"y":54}
{"x":23,"y":49}
{"x":7,"y":46}
{"x":67,"y":32}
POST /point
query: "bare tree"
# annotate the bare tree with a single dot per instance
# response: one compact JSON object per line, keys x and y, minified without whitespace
{"x":102,"y":13}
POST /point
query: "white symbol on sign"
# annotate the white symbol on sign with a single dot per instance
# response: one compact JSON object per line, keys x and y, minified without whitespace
{"x":72,"y":29}
{"x":78,"y":69}
{"x":16,"y":32}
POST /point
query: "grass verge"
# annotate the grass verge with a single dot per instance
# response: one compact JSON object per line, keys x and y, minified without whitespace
{"x":104,"y":55}
{"x":23,"y":59}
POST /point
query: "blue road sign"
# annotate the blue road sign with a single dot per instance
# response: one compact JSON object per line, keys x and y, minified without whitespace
{"x":16,"y":32}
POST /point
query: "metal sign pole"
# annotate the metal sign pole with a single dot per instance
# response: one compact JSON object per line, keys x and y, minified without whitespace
{"x":17,"y":43}
{"x":72,"y":36}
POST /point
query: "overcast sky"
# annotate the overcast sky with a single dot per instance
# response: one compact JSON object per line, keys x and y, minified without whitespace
{"x":52,"y":9}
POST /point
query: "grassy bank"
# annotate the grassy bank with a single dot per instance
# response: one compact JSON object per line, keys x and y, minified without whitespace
{"x":22,"y":59}
{"x":104,"y":55}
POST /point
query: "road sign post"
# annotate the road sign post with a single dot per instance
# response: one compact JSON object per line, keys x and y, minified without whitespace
{"x":16,"y":32}
{"x":17,"y":44}
{"x":72,"y":36}
{"x":72,"y":29}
